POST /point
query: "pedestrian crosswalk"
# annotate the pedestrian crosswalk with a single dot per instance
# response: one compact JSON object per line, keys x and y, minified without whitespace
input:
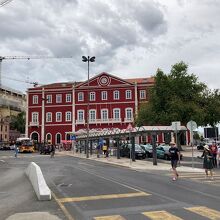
{"x":201,"y":177}
{"x":199,"y":211}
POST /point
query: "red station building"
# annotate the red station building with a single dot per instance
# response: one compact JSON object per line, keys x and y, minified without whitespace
{"x":54,"y":110}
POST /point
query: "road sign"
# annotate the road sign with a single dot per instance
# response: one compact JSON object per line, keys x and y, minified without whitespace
{"x":191,"y":125}
{"x":72,"y":137}
{"x":176,"y":126}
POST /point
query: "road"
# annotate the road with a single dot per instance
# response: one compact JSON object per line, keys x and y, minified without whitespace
{"x":86,"y":189}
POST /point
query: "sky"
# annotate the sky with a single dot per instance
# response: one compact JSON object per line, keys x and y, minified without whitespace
{"x":129,"y":38}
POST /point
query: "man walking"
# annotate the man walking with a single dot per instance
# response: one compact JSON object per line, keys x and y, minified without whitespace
{"x":175,"y":158}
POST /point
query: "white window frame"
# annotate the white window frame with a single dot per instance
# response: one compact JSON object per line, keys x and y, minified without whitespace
{"x":119,"y":113}
{"x":80,"y":96}
{"x":128,"y":94}
{"x":116,"y":95}
{"x":35,"y":117}
{"x":49,"y":98}
{"x":68,"y":116}
{"x":142,"y":94}
{"x":131,"y":113}
{"x":92,"y":115}
{"x":102,"y":114}
{"x":49,"y":117}
{"x":104,"y":95}
{"x":79,"y":118}
{"x":58,"y":98}
{"x":58,"y":118}
{"x":92,"y":96}
{"x":68,"y":97}
{"x":35,"y":99}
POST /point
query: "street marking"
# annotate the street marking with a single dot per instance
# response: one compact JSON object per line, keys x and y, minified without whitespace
{"x":112,"y":196}
{"x":110,"y":217}
{"x":205,"y":212}
{"x":66,"y":213}
{"x":161,"y":215}
{"x":2,"y":161}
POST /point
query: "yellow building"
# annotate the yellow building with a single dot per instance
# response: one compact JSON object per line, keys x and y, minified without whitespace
{"x":12,"y":102}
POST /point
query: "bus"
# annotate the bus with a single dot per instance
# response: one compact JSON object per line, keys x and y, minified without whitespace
{"x":25,"y":145}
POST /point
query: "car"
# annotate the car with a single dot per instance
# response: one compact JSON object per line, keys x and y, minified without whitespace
{"x":163,"y":152}
{"x":148,"y":149}
{"x":126,"y":149}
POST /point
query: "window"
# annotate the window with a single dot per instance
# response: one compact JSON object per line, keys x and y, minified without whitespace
{"x":128,"y":94}
{"x":142,"y":94}
{"x":92,"y":115}
{"x":129,"y":113}
{"x":6,"y":128}
{"x":68,"y":97}
{"x":104,"y":114}
{"x":68,"y":116}
{"x":35,"y":99}
{"x":116,"y":113}
{"x":80,"y":115}
{"x":58,"y":98}
{"x":116,"y":95}
{"x":104,"y":95}
{"x":35,"y":117}
{"x":92,"y":96}
{"x":49,"y":98}
{"x":49,"y":117}
{"x":58,"y":116}
{"x":80,"y":96}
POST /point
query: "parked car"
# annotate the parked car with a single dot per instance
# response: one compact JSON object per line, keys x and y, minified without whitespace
{"x":148,"y":149}
{"x":163,"y":152}
{"x":126,"y":149}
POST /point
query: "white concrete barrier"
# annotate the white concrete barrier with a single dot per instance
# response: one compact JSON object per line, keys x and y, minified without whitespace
{"x":36,"y":177}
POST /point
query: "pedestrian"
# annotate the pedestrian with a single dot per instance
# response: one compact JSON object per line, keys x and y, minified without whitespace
{"x":175,"y":159}
{"x":214,"y":151}
{"x":104,"y":148}
{"x":52,"y":150}
{"x":218,"y":156}
{"x":16,"y":150}
{"x":207,"y":161}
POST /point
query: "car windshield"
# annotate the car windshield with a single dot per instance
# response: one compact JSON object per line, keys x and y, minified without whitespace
{"x":166,"y":147}
{"x":147,"y":146}
{"x":138,"y":147}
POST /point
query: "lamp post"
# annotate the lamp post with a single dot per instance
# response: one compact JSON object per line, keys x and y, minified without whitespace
{"x":88,"y":60}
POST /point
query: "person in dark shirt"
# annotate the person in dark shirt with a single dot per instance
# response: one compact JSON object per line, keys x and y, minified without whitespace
{"x":175,"y":158}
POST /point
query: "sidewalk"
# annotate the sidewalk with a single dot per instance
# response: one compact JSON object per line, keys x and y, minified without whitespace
{"x":126,"y":162}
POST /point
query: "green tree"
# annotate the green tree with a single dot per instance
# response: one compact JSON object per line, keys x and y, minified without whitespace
{"x":18,"y":122}
{"x":177,"y":96}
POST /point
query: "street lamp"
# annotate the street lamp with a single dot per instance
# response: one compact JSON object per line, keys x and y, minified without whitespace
{"x":88,"y":60}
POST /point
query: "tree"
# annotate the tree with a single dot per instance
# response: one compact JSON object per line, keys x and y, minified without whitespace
{"x":18,"y":122}
{"x":178,"y":96}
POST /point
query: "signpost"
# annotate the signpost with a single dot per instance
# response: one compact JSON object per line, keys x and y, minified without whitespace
{"x":130,"y":129}
{"x":191,"y":125}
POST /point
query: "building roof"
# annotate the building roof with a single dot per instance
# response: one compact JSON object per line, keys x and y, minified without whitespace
{"x":7,"y":89}
{"x":141,"y":80}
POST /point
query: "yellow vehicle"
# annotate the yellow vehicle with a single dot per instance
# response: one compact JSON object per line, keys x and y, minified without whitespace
{"x":25,"y":145}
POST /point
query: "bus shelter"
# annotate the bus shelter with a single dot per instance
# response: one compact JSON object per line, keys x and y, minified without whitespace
{"x":118,"y":134}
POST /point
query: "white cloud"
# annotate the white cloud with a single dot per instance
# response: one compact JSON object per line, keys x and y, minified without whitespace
{"x":130,"y":38}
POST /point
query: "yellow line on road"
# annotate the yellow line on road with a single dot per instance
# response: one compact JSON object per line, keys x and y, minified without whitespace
{"x":112,"y":196}
{"x":206,"y":212}
{"x":161,"y":215}
{"x":110,"y":217}
{"x":66,"y":213}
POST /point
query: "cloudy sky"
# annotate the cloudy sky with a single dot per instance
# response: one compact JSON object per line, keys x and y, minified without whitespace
{"x":130,"y":38}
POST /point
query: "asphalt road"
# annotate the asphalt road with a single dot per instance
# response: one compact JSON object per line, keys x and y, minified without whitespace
{"x":85,"y":189}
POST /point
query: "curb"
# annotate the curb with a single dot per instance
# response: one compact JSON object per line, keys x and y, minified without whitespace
{"x":38,"y":182}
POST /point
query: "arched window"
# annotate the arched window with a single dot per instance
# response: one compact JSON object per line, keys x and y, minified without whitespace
{"x":49,"y":138}
{"x":58,"y":138}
